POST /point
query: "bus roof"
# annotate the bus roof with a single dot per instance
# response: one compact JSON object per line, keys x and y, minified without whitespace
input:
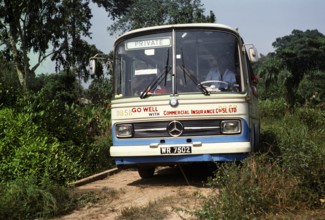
{"x":170,"y":26}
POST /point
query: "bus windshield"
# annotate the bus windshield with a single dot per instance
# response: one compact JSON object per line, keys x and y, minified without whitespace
{"x":177,"y":61}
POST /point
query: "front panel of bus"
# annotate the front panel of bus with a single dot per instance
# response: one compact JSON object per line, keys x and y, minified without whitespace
{"x":169,"y":108}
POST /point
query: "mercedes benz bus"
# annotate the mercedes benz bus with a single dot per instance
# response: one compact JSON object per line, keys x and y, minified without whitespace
{"x":169,"y":109}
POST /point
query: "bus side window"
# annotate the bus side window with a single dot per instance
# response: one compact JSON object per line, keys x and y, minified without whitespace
{"x":253,"y":79}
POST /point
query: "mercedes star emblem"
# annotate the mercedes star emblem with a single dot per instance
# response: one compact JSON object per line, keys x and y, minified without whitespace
{"x":175,"y":128}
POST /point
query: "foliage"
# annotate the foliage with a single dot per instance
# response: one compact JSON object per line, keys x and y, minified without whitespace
{"x":25,"y":198}
{"x":251,"y":190}
{"x":302,"y":156}
{"x":51,"y":108}
{"x":98,"y":126}
{"x":268,"y":68}
{"x":272,"y":82}
{"x":313,"y":119}
{"x":61,"y":86}
{"x":100,"y":91}
{"x":311,"y":90}
{"x":165,"y":12}
{"x":9,"y":84}
{"x":26,"y":149}
{"x":288,"y":178}
{"x":45,"y":25}
{"x":301,"y":52}
{"x":272,"y":108}
{"x":51,"y":136}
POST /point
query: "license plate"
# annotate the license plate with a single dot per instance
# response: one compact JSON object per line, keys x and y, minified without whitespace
{"x":176,"y":150}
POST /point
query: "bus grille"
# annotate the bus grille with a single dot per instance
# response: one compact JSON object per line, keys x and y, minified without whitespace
{"x":177,"y":128}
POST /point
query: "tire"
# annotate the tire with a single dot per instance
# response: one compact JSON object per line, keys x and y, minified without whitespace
{"x":146,"y":172}
{"x":256,"y":138}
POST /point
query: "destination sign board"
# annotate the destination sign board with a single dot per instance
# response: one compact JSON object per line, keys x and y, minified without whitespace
{"x":148,"y":43}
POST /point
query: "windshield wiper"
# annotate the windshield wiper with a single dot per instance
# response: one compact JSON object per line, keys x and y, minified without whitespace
{"x":192,"y":77}
{"x":194,"y":80}
{"x":155,"y":82}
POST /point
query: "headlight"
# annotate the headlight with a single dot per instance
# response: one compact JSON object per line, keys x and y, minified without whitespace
{"x":124,"y":130}
{"x":231,"y":127}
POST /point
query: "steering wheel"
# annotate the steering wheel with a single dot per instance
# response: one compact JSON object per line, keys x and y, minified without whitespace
{"x":214,"y":81}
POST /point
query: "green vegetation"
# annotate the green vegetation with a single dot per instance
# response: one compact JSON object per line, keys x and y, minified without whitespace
{"x":166,"y":12}
{"x":48,"y":139}
{"x":25,"y":198}
{"x":50,"y":29}
{"x":286,"y":179}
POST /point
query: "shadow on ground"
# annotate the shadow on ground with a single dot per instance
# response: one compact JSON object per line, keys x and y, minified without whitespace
{"x":193,"y":175}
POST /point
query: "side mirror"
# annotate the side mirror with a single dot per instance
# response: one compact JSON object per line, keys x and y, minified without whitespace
{"x":92,"y":67}
{"x":252,"y":54}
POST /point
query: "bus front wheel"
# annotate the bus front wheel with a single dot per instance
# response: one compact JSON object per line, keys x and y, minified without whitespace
{"x":146,"y":172}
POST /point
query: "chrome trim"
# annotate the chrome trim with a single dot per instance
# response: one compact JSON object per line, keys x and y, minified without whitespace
{"x":151,"y":129}
{"x":201,"y":128}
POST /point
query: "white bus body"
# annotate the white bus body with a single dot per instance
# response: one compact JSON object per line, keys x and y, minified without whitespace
{"x":165,"y":112}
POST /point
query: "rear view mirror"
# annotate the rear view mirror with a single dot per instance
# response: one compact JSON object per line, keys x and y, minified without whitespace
{"x":92,"y":67}
{"x":252,"y":54}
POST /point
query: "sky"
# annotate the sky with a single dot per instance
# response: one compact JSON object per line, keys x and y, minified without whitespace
{"x":259,"y":22}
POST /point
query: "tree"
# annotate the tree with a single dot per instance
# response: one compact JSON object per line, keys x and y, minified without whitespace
{"x":48,"y":28}
{"x":9,"y":85}
{"x":301,"y":53}
{"x":145,"y":13}
{"x":268,"y":68}
{"x":271,"y":71}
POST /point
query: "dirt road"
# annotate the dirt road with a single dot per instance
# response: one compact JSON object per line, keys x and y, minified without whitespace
{"x":168,"y":195}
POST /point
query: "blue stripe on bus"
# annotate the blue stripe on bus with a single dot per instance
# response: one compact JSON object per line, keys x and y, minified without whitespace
{"x":180,"y":159}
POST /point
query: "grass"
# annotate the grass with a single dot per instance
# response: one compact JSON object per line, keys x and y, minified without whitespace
{"x":153,"y":210}
{"x":25,"y":199}
{"x":286,"y":181}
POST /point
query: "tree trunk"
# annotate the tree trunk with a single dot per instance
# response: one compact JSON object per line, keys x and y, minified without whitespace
{"x":21,"y":75}
{"x":291,"y":89}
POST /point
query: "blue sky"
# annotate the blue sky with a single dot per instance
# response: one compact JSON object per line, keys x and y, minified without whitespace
{"x":262,"y":21}
{"x":259,"y":21}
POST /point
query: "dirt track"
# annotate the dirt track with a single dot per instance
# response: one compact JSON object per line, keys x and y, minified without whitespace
{"x":124,"y":190}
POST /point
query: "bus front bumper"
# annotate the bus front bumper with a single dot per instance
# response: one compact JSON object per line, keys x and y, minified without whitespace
{"x":166,"y":154}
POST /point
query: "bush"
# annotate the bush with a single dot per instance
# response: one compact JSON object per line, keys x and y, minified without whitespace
{"x":10,"y":89}
{"x":250,"y":191}
{"x":296,"y":141}
{"x":99,"y":152}
{"x":24,"y":198}
{"x":57,"y":117}
{"x":311,"y":90}
{"x":28,"y":150}
{"x":312,"y":118}
{"x":288,"y":179}
{"x":302,"y":157}
{"x":97,"y":123}
{"x":272,"y":108}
